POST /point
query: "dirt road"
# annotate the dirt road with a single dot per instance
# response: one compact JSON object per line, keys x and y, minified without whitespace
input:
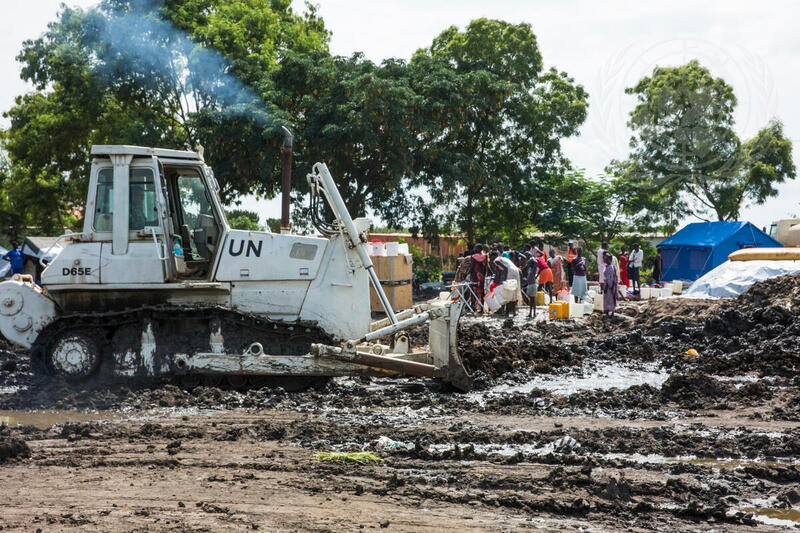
{"x":603,"y":424}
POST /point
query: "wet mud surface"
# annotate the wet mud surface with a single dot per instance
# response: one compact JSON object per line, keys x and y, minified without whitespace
{"x":605,"y":424}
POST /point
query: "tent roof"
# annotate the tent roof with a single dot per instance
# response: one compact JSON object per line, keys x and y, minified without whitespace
{"x":39,"y":244}
{"x":710,"y":234}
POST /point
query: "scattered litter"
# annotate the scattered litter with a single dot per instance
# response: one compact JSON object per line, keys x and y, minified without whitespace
{"x":385,"y":443}
{"x":564,"y":444}
{"x":692,"y":352}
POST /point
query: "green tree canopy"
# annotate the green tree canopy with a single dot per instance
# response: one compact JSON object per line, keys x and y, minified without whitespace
{"x":172,"y":74}
{"x":243,"y":219}
{"x":491,"y":147}
{"x":684,"y":147}
{"x":359,"y":118}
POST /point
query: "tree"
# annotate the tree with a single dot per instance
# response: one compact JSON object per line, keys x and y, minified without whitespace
{"x":172,"y":74}
{"x":685,"y":148}
{"x":494,"y":123}
{"x":594,"y":209}
{"x":360,"y":119}
{"x":243,"y":219}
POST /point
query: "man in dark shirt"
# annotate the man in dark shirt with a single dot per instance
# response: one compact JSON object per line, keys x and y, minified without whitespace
{"x":657,"y":268}
{"x":14,"y":256}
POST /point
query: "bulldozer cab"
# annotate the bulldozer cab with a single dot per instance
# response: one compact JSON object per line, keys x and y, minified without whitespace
{"x":155,"y":215}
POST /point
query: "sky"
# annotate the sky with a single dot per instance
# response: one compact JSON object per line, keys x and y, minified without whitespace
{"x":605,"y":46}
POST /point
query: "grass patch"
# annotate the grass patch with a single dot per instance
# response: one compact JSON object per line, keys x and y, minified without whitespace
{"x":361,"y":458}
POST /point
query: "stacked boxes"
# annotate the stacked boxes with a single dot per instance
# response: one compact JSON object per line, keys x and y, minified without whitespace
{"x":394,"y":272}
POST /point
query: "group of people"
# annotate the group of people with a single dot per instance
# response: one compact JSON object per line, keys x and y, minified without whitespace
{"x":535,"y":269}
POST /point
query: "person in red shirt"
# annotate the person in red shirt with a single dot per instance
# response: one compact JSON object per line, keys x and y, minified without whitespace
{"x":623,"y":267}
{"x":545,"y":274}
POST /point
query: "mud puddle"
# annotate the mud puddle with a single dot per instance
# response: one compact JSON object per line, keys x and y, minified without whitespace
{"x":45,"y":419}
{"x":774,"y":516}
{"x":722,"y":463}
{"x":593,"y":375}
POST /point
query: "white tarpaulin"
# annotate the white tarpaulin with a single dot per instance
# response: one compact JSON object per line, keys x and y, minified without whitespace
{"x":5,"y":266}
{"x":732,"y":278}
{"x":39,"y":246}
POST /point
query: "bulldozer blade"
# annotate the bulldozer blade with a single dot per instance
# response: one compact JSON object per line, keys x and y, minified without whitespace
{"x":384,"y":362}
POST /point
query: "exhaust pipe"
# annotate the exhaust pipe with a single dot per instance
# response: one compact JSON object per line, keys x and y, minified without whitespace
{"x":286,"y":179}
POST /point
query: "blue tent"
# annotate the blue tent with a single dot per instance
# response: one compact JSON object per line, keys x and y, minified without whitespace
{"x":701,"y":246}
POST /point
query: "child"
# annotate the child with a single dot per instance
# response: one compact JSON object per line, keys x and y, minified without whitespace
{"x":545,"y":274}
{"x":531,"y":272}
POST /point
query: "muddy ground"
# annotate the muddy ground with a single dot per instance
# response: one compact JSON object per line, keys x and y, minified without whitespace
{"x":604,"y":424}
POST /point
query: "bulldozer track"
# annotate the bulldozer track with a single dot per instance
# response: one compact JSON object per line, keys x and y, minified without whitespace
{"x":178,"y":328}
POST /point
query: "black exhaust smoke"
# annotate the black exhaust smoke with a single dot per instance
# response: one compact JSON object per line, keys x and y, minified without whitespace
{"x":286,"y":178}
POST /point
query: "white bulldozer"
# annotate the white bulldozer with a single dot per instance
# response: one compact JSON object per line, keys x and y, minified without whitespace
{"x":157,"y":285}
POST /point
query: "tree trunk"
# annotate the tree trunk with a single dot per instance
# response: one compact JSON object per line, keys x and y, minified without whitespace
{"x":470,"y":223}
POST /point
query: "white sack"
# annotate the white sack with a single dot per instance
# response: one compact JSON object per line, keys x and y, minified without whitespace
{"x":732,"y":278}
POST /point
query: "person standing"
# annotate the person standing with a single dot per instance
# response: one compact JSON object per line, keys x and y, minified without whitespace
{"x":611,"y":286}
{"x":14,"y":256}
{"x":623,"y":267}
{"x":531,"y":272}
{"x":658,"y":263}
{"x":601,"y":264}
{"x":477,"y":275}
{"x":635,"y":261}
{"x":579,"y":289}
{"x":545,"y":274}
{"x":557,"y":266}
{"x":505,"y":269}
{"x":572,"y":253}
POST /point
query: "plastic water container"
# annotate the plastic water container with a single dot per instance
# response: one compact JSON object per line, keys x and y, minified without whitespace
{"x":644,"y":293}
{"x":575,"y":310}
{"x":392,"y":248}
{"x":509,"y":290}
{"x":677,"y":287}
{"x":598,"y":304}
{"x":588,"y":308}
{"x":666,"y":293}
{"x":540,"y":298}
{"x":378,"y":249}
{"x":402,"y":248}
{"x":558,"y":310}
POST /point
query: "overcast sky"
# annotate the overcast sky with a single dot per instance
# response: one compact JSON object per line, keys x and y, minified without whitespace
{"x":605,"y":46}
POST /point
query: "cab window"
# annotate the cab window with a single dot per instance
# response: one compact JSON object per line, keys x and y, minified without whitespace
{"x":143,"y":209}
{"x":199,"y":227}
{"x":194,"y":200}
{"x":142,"y":197}
{"x":104,"y":206}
